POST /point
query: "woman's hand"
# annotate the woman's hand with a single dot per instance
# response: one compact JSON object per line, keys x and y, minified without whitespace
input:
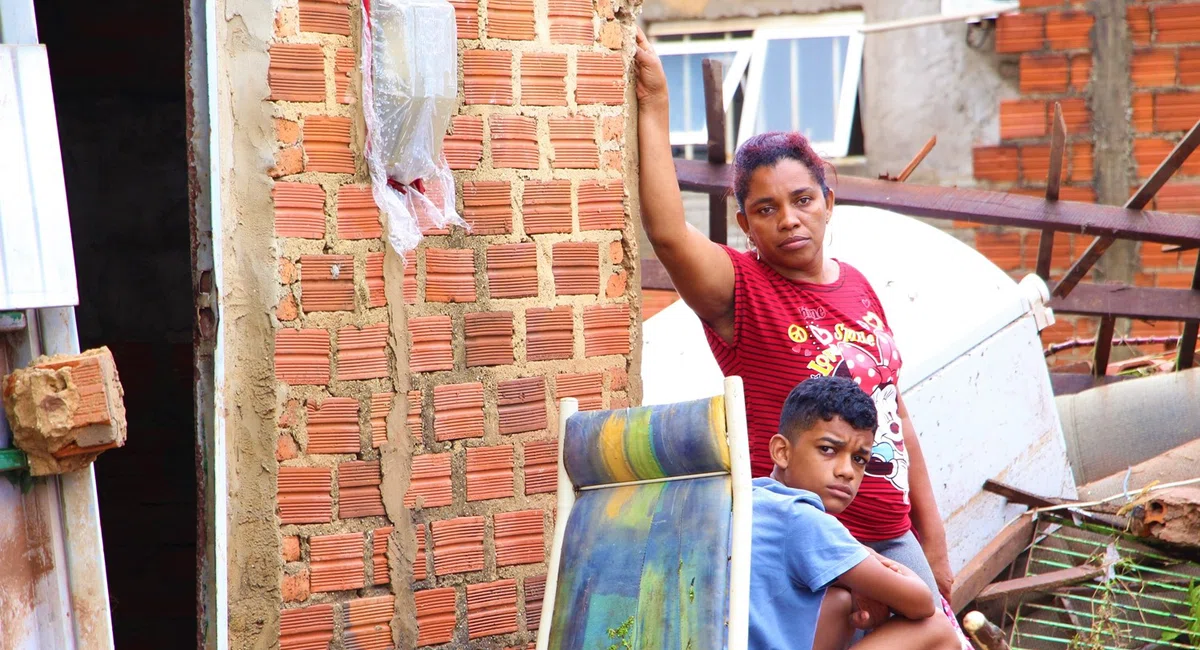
{"x":941,"y":573}
{"x":651,"y":80}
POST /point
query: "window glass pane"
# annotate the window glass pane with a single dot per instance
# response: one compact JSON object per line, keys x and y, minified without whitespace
{"x":801,"y":85}
{"x":685,"y":86}
{"x":673,"y":66}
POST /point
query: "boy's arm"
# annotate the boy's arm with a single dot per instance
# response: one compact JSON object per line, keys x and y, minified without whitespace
{"x":891,"y":584}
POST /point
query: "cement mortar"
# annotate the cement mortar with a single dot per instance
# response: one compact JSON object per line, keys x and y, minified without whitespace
{"x":247,"y":291}
{"x":396,"y":462}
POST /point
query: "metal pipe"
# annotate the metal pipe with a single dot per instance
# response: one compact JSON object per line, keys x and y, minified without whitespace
{"x":1097,"y":423}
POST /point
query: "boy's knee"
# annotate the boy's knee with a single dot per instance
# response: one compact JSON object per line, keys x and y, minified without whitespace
{"x":837,"y":601}
{"x":941,"y":633}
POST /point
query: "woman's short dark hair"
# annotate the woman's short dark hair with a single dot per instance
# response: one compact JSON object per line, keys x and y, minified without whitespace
{"x":767,"y":149}
{"x":825,"y":398}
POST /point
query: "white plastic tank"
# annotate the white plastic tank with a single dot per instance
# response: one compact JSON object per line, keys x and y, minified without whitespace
{"x":974,"y":377}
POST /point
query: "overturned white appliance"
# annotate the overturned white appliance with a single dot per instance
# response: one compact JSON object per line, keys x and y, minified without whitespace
{"x":974,"y":376}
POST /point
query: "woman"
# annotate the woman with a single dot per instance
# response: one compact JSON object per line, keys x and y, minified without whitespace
{"x":785,"y":312}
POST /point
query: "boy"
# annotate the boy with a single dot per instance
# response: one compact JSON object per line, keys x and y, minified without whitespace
{"x":805,"y":565}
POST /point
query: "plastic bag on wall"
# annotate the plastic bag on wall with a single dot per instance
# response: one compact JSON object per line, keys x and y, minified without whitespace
{"x":410,"y":90}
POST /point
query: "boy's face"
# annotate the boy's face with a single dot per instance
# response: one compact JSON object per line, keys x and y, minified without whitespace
{"x":829,"y":460}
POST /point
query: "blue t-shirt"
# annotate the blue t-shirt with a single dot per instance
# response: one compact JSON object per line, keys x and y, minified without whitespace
{"x":797,"y":551}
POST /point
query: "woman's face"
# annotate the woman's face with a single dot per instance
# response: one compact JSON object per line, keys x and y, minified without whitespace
{"x":785,"y":216}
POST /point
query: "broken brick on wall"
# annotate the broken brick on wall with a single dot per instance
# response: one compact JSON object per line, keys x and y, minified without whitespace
{"x":477,"y":337}
{"x":1052,"y":43}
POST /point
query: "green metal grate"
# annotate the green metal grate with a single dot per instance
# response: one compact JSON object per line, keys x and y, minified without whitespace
{"x":1149,"y":599}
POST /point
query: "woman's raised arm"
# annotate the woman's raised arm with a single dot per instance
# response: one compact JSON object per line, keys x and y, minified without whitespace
{"x":701,"y":271}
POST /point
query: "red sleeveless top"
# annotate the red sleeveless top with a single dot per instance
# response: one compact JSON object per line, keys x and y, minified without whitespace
{"x":786,"y":332}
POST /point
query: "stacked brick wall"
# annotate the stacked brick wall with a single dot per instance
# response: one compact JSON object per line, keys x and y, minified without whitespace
{"x":1052,"y":42}
{"x":497,"y":323}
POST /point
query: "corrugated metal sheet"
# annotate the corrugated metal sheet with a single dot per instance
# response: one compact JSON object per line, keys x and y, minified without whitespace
{"x":37,"y":262}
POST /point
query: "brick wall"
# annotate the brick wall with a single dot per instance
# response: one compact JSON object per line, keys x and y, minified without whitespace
{"x":1052,"y":41}
{"x":533,"y":304}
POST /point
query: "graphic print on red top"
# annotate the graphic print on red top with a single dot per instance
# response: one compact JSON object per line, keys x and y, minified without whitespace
{"x":786,"y":332}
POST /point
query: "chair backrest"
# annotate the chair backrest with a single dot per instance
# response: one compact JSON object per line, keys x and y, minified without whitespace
{"x":651,"y":545}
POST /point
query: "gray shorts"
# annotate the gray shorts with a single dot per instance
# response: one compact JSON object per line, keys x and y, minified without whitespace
{"x":906,"y":550}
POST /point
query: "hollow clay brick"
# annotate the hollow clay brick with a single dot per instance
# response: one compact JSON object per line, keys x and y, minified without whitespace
{"x":487,"y":207}
{"x":431,"y":346}
{"x":435,"y":615}
{"x":357,"y":214}
{"x":546,"y":207}
{"x":571,"y":22}
{"x":489,"y":338}
{"x":362,"y":352}
{"x":449,"y":275}
{"x":458,"y":545}
{"x":543,"y":79}
{"x":489,"y":473}
{"x":381,"y":406}
{"x":487,"y":77}
{"x":601,"y":205}
{"x":549,"y":333}
{"x":332,"y":426}
{"x":466,"y":15}
{"x":576,"y":268}
{"x":510,"y":19}
{"x":296,"y":73}
{"x":519,"y":537}
{"x":327,"y":282}
{"x":512,"y":270}
{"x":304,"y":628}
{"x":429,"y":486}
{"x":491,"y":608}
{"x":606,"y":330}
{"x":541,"y":467}
{"x":65,"y":410}
{"x":327,"y":144}
{"x":458,"y":411}
{"x":299,"y":210}
{"x":521,"y":405}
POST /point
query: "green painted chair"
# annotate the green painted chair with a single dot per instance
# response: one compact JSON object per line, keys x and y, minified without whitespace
{"x":652,"y":542}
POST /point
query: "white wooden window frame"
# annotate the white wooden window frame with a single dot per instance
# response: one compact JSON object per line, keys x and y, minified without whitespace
{"x":750,"y":59}
{"x":741,"y":49}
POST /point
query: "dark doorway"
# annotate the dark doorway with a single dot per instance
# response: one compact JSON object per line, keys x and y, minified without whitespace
{"x":117,"y":69}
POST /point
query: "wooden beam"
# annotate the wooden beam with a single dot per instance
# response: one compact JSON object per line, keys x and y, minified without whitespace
{"x":714,"y":118}
{"x":912,"y":165}
{"x":1058,"y":144}
{"x":1186,"y":356}
{"x":1002,"y":551}
{"x":980,"y":206}
{"x":1103,"y":349}
{"x":1123,"y":301}
{"x":1040,"y":583}
{"x":1017,"y":495}
{"x":1138,"y":201}
{"x":654,"y":275}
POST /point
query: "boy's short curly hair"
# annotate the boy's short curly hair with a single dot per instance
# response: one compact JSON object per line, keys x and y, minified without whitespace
{"x":825,"y":398}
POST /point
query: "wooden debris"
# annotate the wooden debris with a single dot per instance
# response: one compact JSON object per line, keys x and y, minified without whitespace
{"x":1040,"y":583}
{"x":912,"y":165}
{"x":984,"y":567}
{"x":65,"y":410}
{"x":983,"y":632}
{"x":1171,"y":515}
{"x":1019,"y":496}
